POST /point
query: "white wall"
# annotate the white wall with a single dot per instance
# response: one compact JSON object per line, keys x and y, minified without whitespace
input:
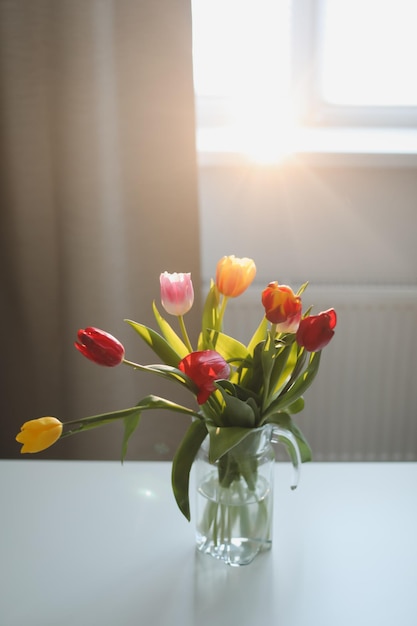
{"x":326,"y":225}
{"x":351,"y":232}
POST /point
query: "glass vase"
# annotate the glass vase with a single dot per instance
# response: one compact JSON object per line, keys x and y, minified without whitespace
{"x":234,"y":505}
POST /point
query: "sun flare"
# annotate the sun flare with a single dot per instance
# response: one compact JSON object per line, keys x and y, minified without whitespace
{"x":263,"y":130}
{"x":242,"y":83}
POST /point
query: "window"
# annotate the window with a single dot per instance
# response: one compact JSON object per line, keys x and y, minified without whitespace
{"x":242,"y":73}
{"x":264,"y":69}
{"x":361,"y":55}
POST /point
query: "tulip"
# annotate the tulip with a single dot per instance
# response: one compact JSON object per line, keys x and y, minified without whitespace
{"x":204,"y":368}
{"x":100,"y":347}
{"x":233,"y":275}
{"x":282,"y":307}
{"x":37,"y":435}
{"x":315,"y":331}
{"x":177,"y":293}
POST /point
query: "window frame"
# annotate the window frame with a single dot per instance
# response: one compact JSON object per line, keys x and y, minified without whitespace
{"x":311,"y":109}
{"x":328,"y":135}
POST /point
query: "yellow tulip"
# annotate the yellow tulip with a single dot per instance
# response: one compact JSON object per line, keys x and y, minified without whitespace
{"x":233,"y":275}
{"x":37,"y":435}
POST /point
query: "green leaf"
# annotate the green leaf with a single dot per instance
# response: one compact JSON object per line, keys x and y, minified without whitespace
{"x":95,"y":421}
{"x":283,"y":366}
{"x":168,"y":372}
{"x":294,"y":367}
{"x":229,"y":348}
{"x":182,"y":463}
{"x":284,"y":420}
{"x":223,"y":439}
{"x":156,"y":402}
{"x":211,"y":410}
{"x":302,"y":383}
{"x":210,"y":318}
{"x":255,"y":408}
{"x":252,"y":378}
{"x":302,"y":289}
{"x":157,"y":343}
{"x":267,"y":360}
{"x":170,"y":335}
{"x":259,"y":335}
{"x":131,"y":423}
{"x":227,"y":385}
{"x":237,"y":390}
{"x":236,"y":412}
{"x":296,"y":406}
{"x":303,"y":446}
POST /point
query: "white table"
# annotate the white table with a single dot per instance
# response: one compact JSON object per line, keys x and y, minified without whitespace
{"x":100,"y":544}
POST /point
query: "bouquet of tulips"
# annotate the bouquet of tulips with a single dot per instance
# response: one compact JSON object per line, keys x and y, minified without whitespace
{"x":237,"y":387}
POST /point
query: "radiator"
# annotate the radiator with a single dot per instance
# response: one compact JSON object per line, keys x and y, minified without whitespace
{"x":363,"y":404}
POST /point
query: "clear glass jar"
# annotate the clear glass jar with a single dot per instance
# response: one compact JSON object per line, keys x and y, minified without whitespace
{"x":234,"y":505}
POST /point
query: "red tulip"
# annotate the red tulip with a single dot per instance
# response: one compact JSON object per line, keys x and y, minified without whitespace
{"x":282,"y":307}
{"x":315,"y":331}
{"x":100,"y":347}
{"x":204,"y":368}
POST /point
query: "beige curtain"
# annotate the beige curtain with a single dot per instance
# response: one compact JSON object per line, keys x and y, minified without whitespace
{"x":98,"y":195}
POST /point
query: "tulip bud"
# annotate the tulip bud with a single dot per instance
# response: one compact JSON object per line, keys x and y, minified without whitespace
{"x":233,"y":275}
{"x":100,"y":347}
{"x":39,"y":434}
{"x":315,"y":331}
{"x":204,"y":368}
{"x":177,"y":293}
{"x":282,"y":307}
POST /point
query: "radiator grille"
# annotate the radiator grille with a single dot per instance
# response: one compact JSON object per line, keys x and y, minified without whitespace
{"x":363,"y":403}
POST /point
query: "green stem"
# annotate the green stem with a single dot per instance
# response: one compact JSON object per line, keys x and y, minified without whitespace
{"x":213,"y":411}
{"x":86,"y":426}
{"x":166,"y":371}
{"x":136,"y":366}
{"x":106,"y":417}
{"x":86,"y":423}
{"x":271,"y":348}
{"x":222,"y":311}
{"x":146,"y":404}
{"x":184,"y":333}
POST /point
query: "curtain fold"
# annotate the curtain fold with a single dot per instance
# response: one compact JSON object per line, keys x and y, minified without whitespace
{"x":98,"y":196}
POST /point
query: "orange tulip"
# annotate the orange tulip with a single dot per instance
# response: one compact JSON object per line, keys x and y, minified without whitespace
{"x":37,"y":435}
{"x":234,"y":275}
{"x":282,"y":307}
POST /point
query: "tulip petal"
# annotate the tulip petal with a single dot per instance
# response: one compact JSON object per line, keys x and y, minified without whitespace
{"x":39,"y":434}
{"x":234,"y":275}
{"x":177,"y":293}
{"x":100,"y":347}
{"x":282,"y":307}
{"x":204,"y":368}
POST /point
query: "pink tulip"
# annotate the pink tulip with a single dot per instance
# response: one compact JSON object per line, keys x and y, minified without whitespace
{"x":177,"y":293}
